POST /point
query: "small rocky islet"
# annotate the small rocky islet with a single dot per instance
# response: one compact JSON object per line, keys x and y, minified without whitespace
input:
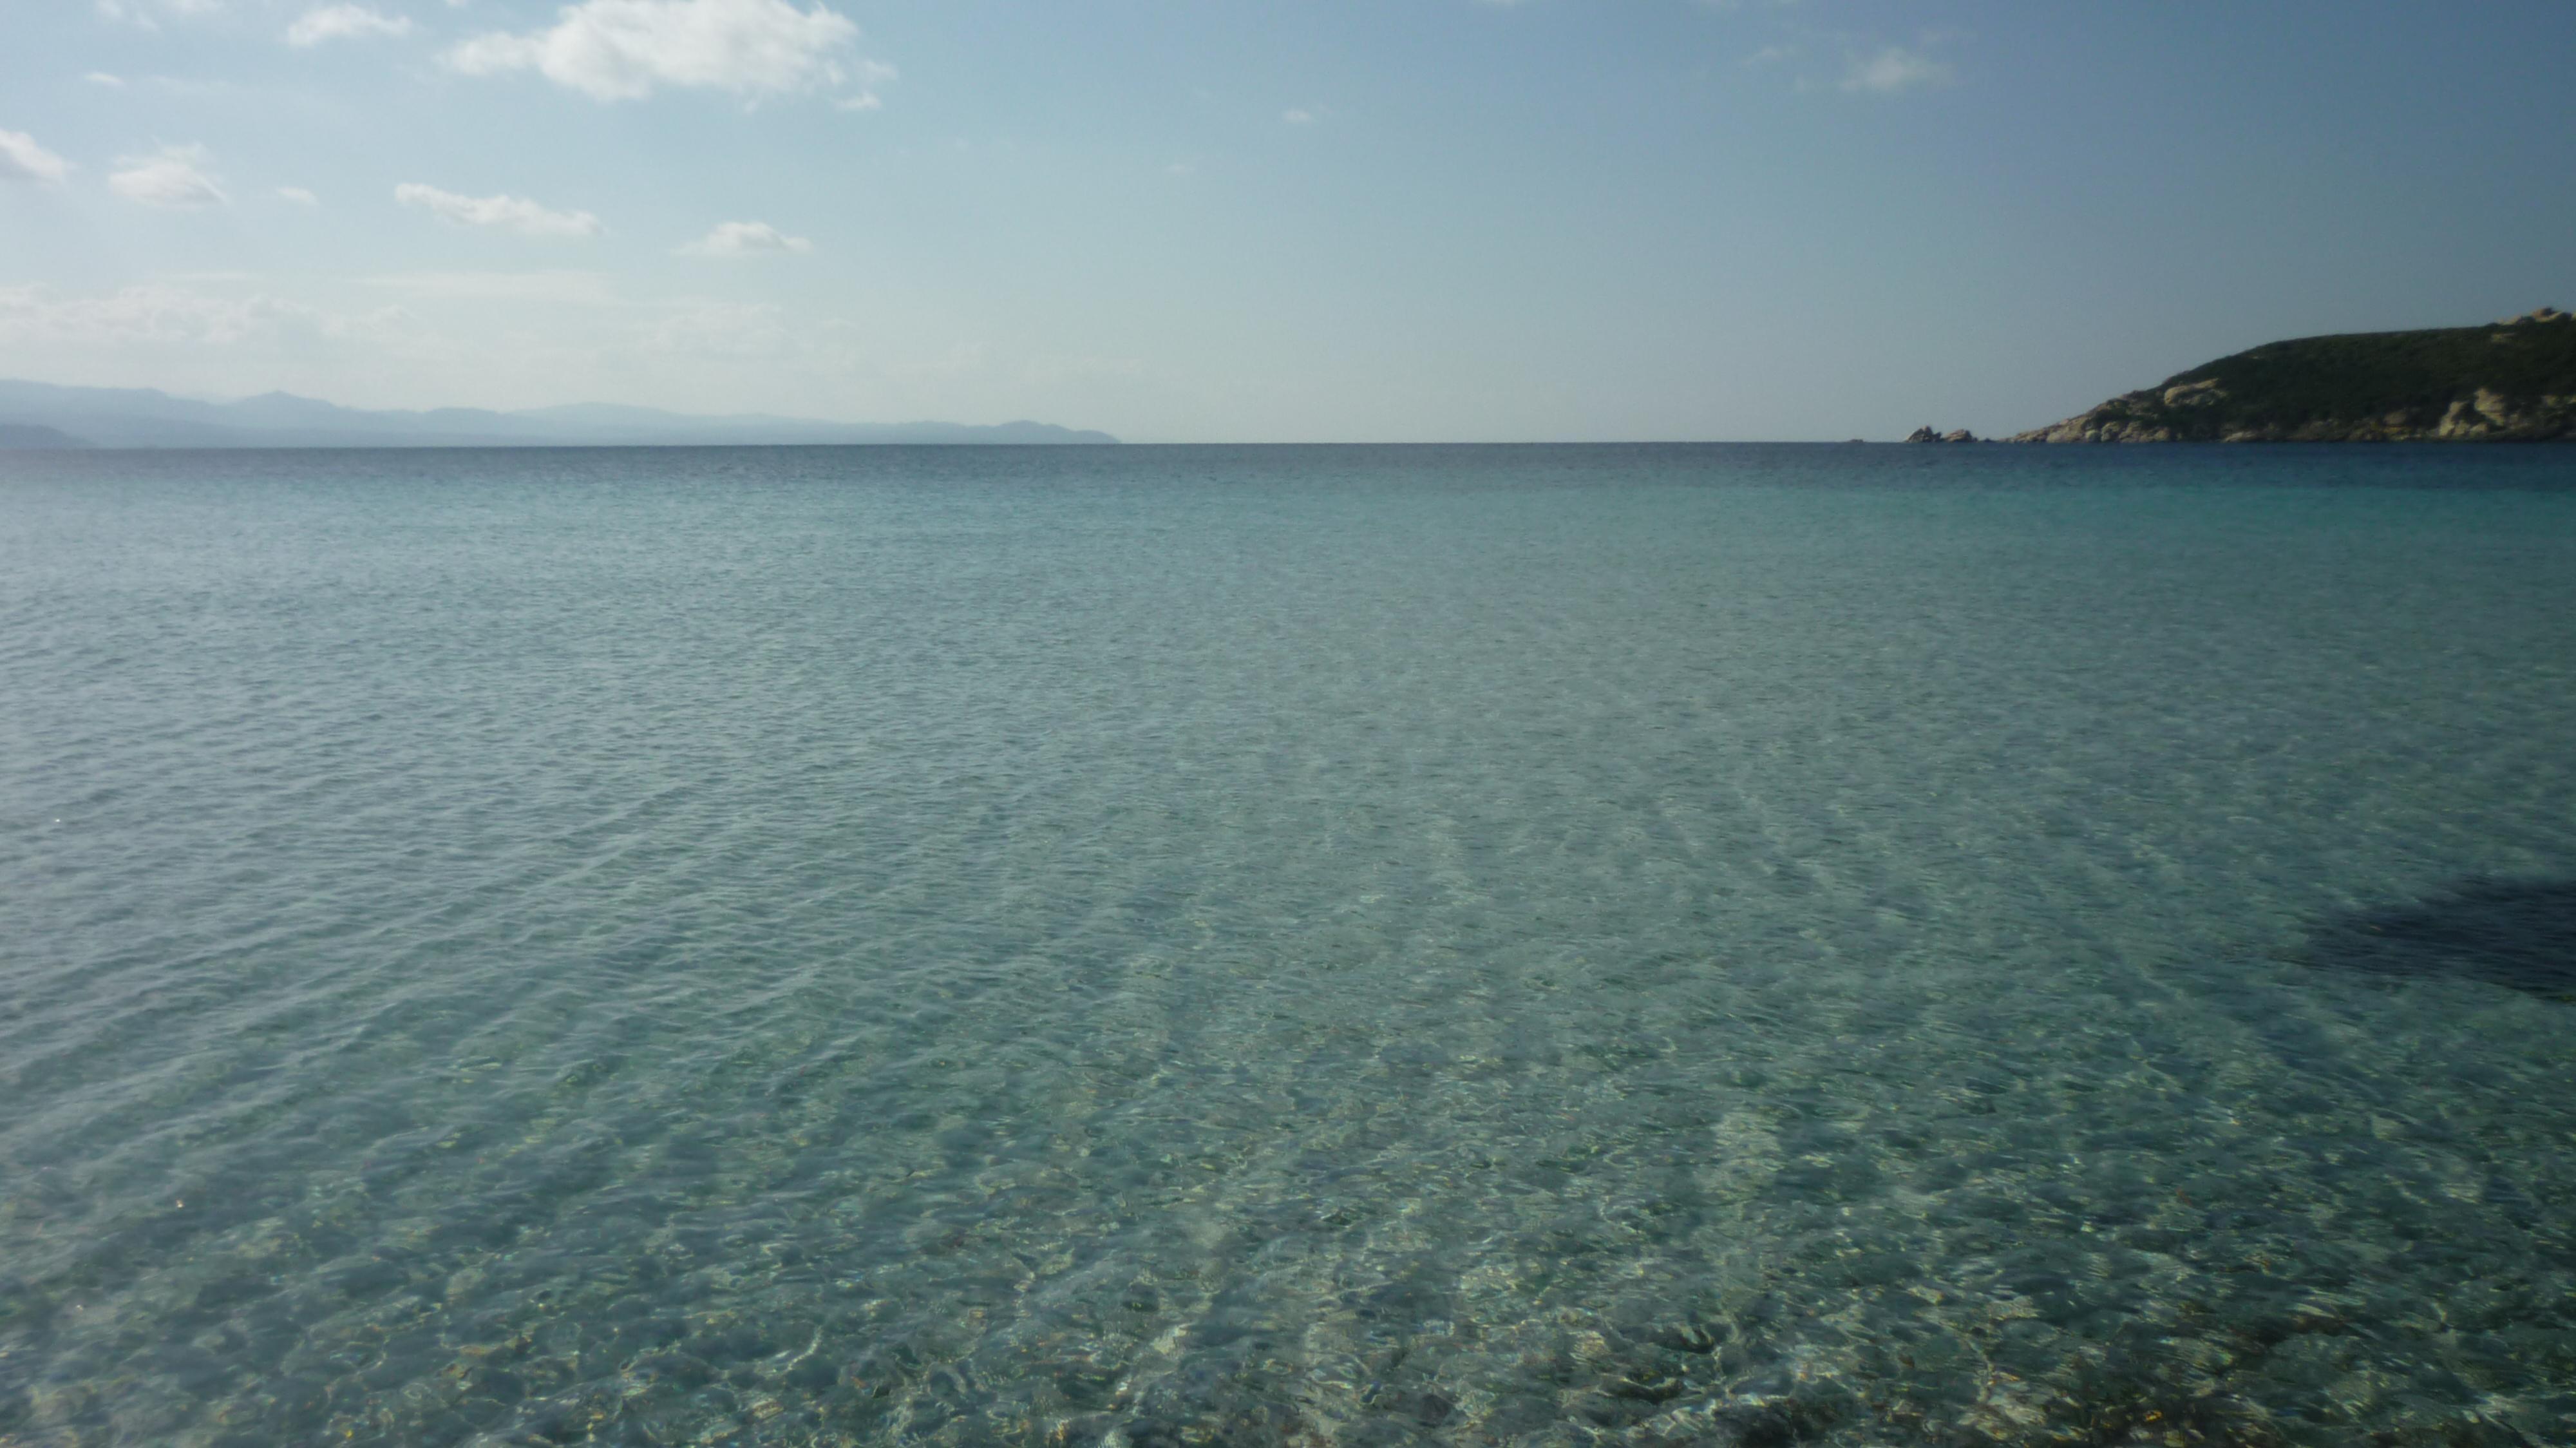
{"x":2510,"y":381}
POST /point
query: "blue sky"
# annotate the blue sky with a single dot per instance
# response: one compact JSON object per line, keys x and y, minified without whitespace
{"x":1195,"y":221}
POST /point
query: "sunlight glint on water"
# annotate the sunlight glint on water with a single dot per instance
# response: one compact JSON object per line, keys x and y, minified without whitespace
{"x":1335,"y":946}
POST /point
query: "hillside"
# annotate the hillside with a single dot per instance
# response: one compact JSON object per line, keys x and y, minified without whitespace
{"x":2514,"y":381}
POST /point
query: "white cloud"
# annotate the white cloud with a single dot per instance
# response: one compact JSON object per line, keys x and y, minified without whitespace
{"x":735,"y":239}
{"x":21,"y":159}
{"x":1298,"y":116}
{"x":344,"y":22}
{"x":1896,"y":69}
{"x":298,"y":195}
{"x":102,"y":78}
{"x":169,"y":178}
{"x":511,"y":213}
{"x":612,"y":50}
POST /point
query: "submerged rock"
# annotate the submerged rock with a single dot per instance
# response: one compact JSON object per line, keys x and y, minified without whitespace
{"x":2517,"y":934}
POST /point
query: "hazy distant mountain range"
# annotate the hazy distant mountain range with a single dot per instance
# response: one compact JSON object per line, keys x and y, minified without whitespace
{"x":36,"y":414}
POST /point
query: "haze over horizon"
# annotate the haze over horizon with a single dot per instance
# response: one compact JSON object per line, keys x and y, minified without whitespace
{"x":1445,"y":220}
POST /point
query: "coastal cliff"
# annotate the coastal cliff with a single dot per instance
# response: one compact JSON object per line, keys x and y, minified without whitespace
{"x":2514,"y":381}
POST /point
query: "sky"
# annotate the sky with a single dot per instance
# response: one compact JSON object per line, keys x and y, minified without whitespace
{"x":1302,"y":221}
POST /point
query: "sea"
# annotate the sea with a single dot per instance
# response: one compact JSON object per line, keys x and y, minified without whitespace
{"x":1158,"y":947}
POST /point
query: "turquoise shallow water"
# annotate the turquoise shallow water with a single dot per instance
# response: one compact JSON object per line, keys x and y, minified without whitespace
{"x":1305,"y":946}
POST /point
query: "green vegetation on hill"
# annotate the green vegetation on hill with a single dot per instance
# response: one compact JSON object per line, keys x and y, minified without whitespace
{"x":2513,"y":381}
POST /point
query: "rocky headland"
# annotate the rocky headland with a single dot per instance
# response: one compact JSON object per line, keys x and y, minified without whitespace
{"x":2514,"y":381}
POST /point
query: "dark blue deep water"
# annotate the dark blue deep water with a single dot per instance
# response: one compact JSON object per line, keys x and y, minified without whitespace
{"x":1152,"y":947}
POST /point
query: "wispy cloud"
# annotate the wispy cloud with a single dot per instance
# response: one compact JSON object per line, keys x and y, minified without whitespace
{"x":146,"y":13}
{"x":614,"y":50}
{"x":172,"y":178}
{"x":162,"y":313}
{"x":344,"y":22}
{"x":865,"y":76}
{"x":735,"y":240}
{"x":509,"y":213}
{"x":102,"y":78}
{"x":21,"y":159}
{"x":298,"y":195}
{"x":573,"y":288}
{"x":1896,"y":69}
{"x":718,"y":329}
{"x":1298,"y":116}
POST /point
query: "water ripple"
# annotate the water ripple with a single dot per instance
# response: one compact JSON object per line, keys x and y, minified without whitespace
{"x":1286,"y":946}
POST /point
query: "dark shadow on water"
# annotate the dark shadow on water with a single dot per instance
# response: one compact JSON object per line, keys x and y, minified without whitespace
{"x":2515,"y":933}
